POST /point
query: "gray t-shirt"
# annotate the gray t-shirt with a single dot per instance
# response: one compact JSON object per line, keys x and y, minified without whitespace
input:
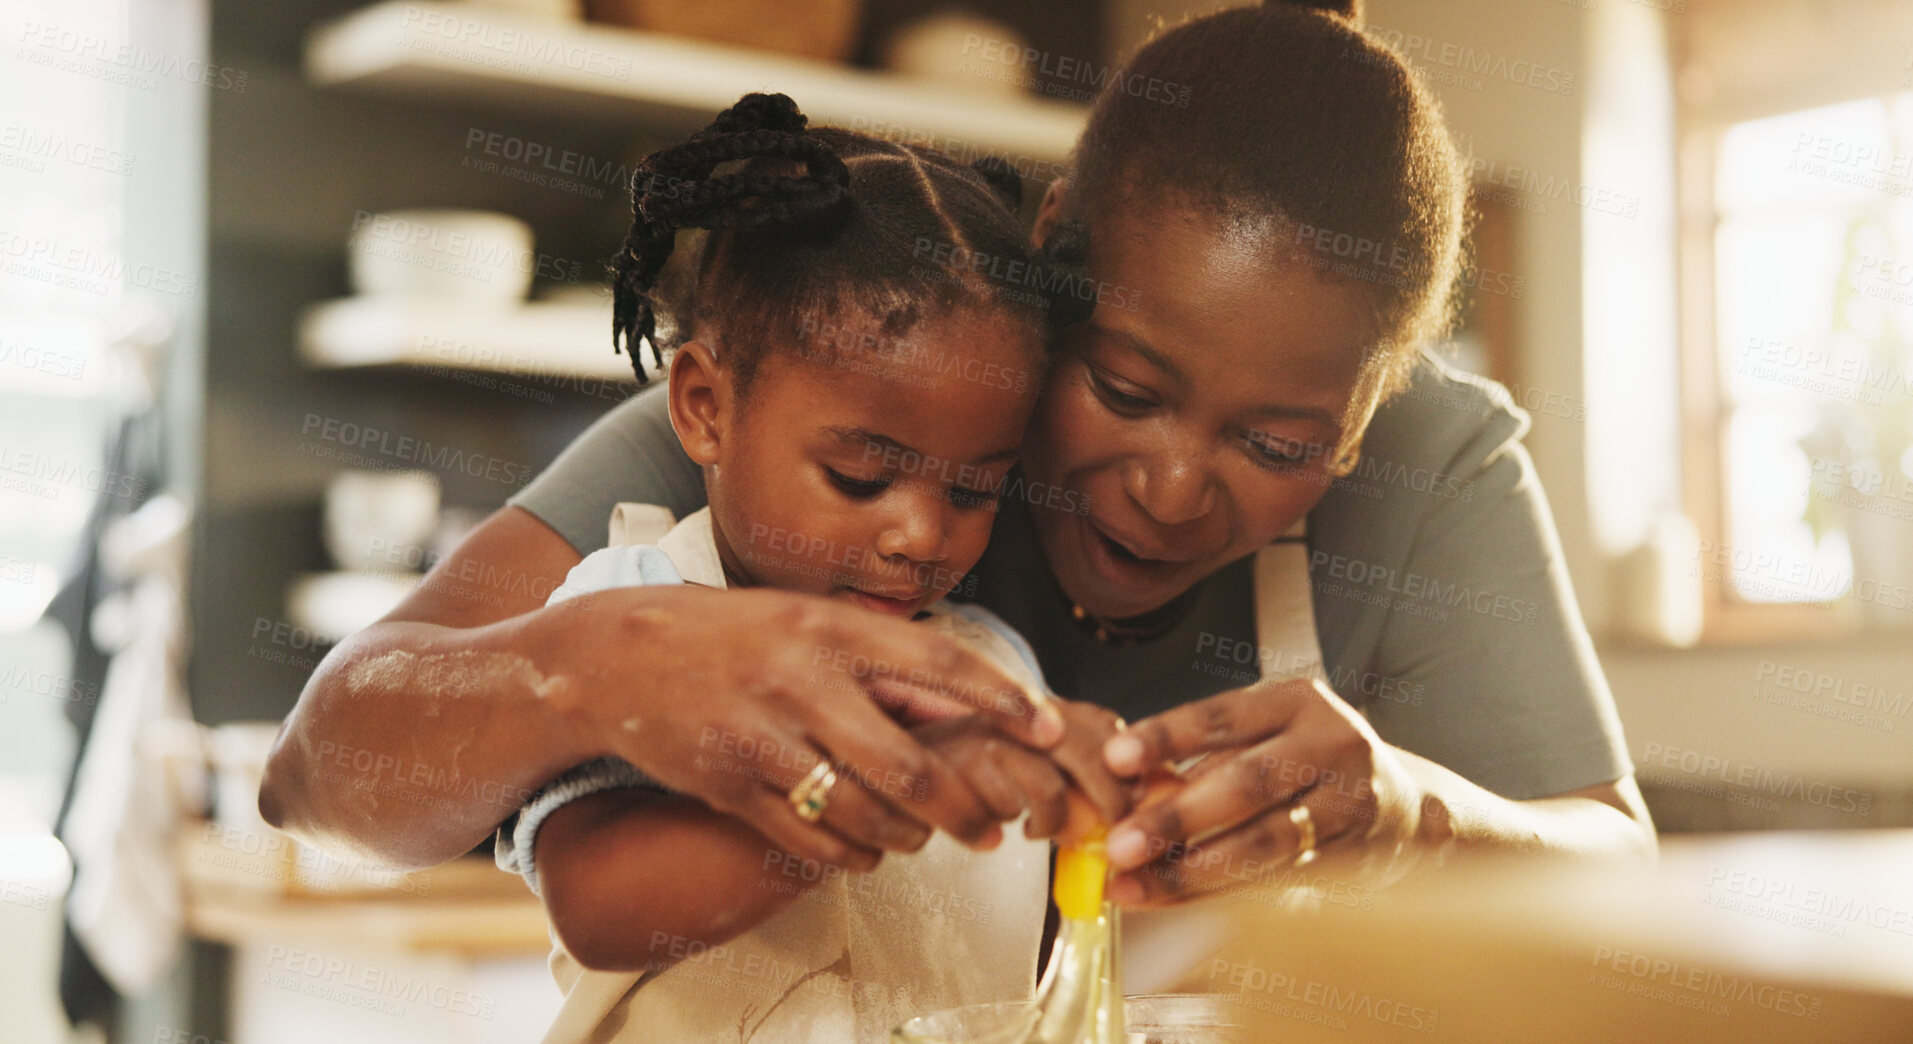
{"x":1442,"y":605}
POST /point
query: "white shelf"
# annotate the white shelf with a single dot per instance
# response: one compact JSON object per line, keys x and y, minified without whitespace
{"x":538,"y":344}
{"x":580,"y":72}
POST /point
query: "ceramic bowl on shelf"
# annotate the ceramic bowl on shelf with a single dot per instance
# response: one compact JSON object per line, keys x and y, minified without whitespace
{"x":469,"y":256}
{"x":376,"y":520}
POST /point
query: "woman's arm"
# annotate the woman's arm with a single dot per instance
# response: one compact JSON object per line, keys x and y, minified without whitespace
{"x":1377,"y":810}
{"x":415,"y":737}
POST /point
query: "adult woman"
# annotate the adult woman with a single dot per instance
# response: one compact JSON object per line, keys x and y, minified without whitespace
{"x":1260,"y":295}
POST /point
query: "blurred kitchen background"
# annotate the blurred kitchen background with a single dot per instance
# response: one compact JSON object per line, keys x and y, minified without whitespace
{"x":248,"y":393}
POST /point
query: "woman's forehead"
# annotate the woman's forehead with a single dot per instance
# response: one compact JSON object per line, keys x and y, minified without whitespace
{"x":1206,"y":291}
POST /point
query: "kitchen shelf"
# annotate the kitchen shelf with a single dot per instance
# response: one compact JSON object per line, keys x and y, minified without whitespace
{"x":472,"y":53}
{"x":539,"y":343}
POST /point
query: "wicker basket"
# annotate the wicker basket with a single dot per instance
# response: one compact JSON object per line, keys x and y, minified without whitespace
{"x":822,"y":29}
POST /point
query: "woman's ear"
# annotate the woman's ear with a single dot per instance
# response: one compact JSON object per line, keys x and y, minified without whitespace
{"x":1048,"y":213}
{"x":700,"y":399}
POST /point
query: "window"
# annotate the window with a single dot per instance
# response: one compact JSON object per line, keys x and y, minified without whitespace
{"x":63,"y":181}
{"x":1809,"y":408}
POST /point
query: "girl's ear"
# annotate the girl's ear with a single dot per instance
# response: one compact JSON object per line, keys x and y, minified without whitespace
{"x":1048,"y":213}
{"x":700,"y":399}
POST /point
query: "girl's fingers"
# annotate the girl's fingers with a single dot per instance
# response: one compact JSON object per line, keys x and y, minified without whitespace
{"x":1044,"y":788}
{"x":1235,"y":718}
{"x":1082,"y":759}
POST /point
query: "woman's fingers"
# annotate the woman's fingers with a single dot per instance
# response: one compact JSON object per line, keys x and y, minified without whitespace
{"x":1220,"y":798}
{"x":921,"y":671}
{"x":900,"y":772}
{"x":1260,"y":852}
{"x":853,"y":811}
{"x":1308,"y":746}
{"x":1236,"y":718}
{"x":976,"y":753}
{"x":771,"y":815}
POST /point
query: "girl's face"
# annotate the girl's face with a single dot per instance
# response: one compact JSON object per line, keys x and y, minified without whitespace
{"x":1199,"y":418}
{"x":868,"y":475}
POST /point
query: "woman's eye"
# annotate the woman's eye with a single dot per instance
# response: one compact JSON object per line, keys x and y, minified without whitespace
{"x":1273,"y":451}
{"x":1117,"y":399}
{"x":856,"y":487}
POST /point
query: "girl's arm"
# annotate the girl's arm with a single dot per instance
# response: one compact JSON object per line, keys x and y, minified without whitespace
{"x":634,"y":880}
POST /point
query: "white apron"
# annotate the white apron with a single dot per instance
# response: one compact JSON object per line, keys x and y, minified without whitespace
{"x":852,"y":957}
{"x":861,"y":954}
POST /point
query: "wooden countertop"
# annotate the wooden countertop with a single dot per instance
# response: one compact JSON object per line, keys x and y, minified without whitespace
{"x":1785,"y":937}
{"x":246,"y":886}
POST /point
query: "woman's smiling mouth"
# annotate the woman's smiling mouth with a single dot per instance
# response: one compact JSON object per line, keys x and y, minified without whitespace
{"x":1120,"y":563}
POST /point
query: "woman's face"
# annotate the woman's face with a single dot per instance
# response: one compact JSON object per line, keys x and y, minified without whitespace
{"x":1198,"y":419}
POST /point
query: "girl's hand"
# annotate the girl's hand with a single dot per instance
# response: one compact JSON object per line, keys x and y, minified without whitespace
{"x":733,"y":696}
{"x":1270,"y":747}
{"x":1065,"y":790}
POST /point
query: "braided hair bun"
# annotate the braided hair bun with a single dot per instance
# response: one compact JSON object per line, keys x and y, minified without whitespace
{"x":808,"y":228}
{"x":674,"y":189}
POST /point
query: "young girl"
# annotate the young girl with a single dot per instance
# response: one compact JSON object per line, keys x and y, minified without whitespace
{"x":855,"y":408}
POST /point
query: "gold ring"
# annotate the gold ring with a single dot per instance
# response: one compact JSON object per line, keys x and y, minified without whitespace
{"x":1305,"y":826}
{"x":811,"y":795}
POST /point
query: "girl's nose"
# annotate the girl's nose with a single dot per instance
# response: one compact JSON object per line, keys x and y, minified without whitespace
{"x":916,"y":532}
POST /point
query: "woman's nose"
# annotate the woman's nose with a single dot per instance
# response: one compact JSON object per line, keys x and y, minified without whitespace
{"x":1171,"y":486}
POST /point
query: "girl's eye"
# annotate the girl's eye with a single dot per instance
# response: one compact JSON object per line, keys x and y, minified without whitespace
{"x":1276,"y":452}
{"x":966,"y":499}
{"x":1116,"y":398}
{"x":856,"y":487}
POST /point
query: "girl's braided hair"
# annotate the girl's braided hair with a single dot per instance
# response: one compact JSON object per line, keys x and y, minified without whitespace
{"x":811,"y":226}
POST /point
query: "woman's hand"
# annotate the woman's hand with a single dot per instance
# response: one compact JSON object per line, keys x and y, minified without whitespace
{"x":1270,"y":747}
{"x":733,"y":696}
{"x":1012,"y":778}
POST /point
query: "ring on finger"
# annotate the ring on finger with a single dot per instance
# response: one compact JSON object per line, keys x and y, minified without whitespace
{"x":811,"y":796}
{"x":1305,"y":829}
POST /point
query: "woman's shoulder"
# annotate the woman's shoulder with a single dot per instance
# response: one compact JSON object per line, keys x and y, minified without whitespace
{"x":1448,"y":443}
{"x":1446,"y":419}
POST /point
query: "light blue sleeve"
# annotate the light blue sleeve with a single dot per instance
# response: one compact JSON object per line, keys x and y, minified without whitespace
{"x":609,"y":568}
{"x":516,"y":843}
